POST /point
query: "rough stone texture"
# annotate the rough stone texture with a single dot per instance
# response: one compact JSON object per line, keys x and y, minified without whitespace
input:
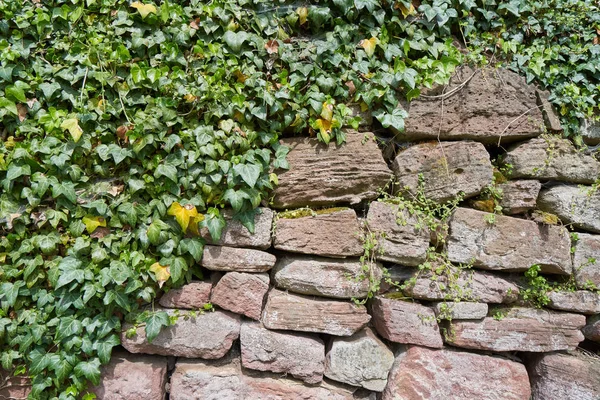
{"x":590,"y":132}
{"x":552,"y":158}
{"x":241,"y":293}
{"x":565,"y":376}
{"x":404,"y":322}
{"x":14,"y":387}
{"x":460,"y":310}
{"x":347,"y":174}
{"x":193,"y":295}
{"x":400,"y":242}
{"x":592,"y":330}
{"x":469,"y":285}
{"x":447,"y":168}
{"x":132,"y":377}
{"x":222,"y":258}
{"x":197,"y":379}
{"x":493,"y":105}
{"x":302,"y":313}
{"x":320,"y":276}
{"x":332,"y":234}
{"x":237,"y":235}
{"x":359,"y":360}
{"x":519,"y":196}
{"x":520,"y":329}
{"x":586,"y":260}
{"x":509,"y":244}
{"x":301,"y":355}
{"x":420,"y":373}
{"x":573,"y":205}
{"x":209,"y":335}
{"x":580,"y":301}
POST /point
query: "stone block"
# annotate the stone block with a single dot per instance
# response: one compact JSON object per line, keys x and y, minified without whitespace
{"x":241,"y":293}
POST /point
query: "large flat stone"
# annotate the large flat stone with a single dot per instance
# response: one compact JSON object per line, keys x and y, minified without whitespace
{"x":519,"y":329}
{"x":306,"y":314}
{"x":519,"y":196}
{"x":208,"y":335}
{"x":241,"y":293}
{"x":579,"y":301}
{"x":300,"y":355}
{"x":459,"y":284}
{"x":444,"y":169}
{"x":494,"y":105}
{"x":359,"y":360}
{"x":320,"y":276}
{"x":579,"y":206}
{"x":405,"y":322}
{"x":237,"y":235}
{"x":421,"y":373}
{"x":194,"y":295}
{"x":329,"y":234}
{"x":223,"y":258}
{"x":198,"y":379}
{"x":565,"y":376}
{"x":586,"y":260}
{"x":452,"y":310}
{"x":552,"y":158}
{"x":398,"y":238}
{"x":132,"y":377}
{"x":14,"y":387}
{"x":509,"y":244}
{"x":322,"y":175}
{"x":591,"y":331}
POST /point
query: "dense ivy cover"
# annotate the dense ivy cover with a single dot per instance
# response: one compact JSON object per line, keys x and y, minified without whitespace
{"x":126,"y":127}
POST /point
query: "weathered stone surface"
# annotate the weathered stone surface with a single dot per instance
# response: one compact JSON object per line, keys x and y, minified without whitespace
{"x":592,"y":330}
{"x":573,"y":205}
{"x":306,"y":314}
{"x":300,"y":355}
{"x":468,"y":285}
{"x":509,"y":244}
{"x":198,"y":379}
{"x":13,"y":387}
{"x":421,"y":373}
{"x":586,"y":260}
{"x":519,"y":196}
{"x":132,"y":377}
{"x":209,"y":335}
{"x":223,"y":258}
{"x":580,"y":301}
{"x":460,"y":310}
{"x":359,"y":360}
{"x":520,"y":329}
{"x":493,"y":106}
{"x":565,"y":376}
{"x":552,"y":158}
{"x":347,"y":174}
{"x":404,"y":322}
{"x":590,"y":132}
{"x":401,"y":242}
{"x":241,"y":293}
{"x":237,"y":235}
{"x":447,"y":168}
{"x":320,"y":276}
{"x":194,"y":295}
{"x":330,"y":234}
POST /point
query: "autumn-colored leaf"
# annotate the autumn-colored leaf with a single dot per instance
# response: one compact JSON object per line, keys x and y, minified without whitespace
{"x":324,"y":127}
{"x":161,"y":273}
{"x":351,"y":87}
{"x":144,"y":9}
{"x":271,"y":46}
{"x":327,"y":112}
{"x":241,"y":78}
{"x":189,"y":98}
{"x":72,"y":125}
{"x":193,"y":227}
{"x":91,"y":223}
{"x":404,"y":10}
{"x":302,"y":14}
{"x":100,"y":232}
{"x":194,"y":24}
{"x":368,"y":45}
{"x":22,"y":111}
{"x":122,"y":131}
{"x":183,"y":214}
{"x":31,"y":102}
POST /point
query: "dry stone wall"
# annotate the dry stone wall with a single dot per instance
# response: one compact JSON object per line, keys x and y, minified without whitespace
{"x":298,"y":311}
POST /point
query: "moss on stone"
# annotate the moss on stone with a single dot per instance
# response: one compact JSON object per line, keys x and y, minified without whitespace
{"x":307,"y":212}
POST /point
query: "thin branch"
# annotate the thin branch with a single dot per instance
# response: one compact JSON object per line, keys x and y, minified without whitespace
{"x":83,"y":87}
{"x":450,"y":93}
{"x":123,"y":106}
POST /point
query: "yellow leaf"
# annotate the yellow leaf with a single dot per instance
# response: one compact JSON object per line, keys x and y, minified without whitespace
{"x":183,"y":214}
{"x":193,"y":227}
{"x":327,"y":112}
{"x":91,"y":223}
{"x":405,"y":11}
{"x":324,"y":127}
{"x":189,"y":98}
{"x":368,"y":45}
{"x":162,"y":273}
{"x":144,"y":9}
{"x":72,"y":125}
{"x":302,"y":14}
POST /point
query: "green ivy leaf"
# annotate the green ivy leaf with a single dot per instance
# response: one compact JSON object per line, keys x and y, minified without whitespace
{"x":89,"y":370}
{"x":193,"y":246}
{"x":248,"y":172}
{"x":168,"y":171}
{"x":154,"y":323}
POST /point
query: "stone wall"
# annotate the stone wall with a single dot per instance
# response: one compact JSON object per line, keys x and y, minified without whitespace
{"x":285,"y":325}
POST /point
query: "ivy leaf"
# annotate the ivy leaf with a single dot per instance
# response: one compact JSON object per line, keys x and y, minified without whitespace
{"x":66,"y":189}
{"x":161,"y":273}
{"x":235,"y":40}
{"x":166,"y":170}
{"x":177,"y":268}
{"x":248,"y":172}
{"x":62,"y":368}
{"x":144,"y":9}
{"x":72,"y":125}
{"x":104,"y":348}
{"x":68,"y":326}
{"x":369,"y":45}
{"x":302,"y":14}
{"x":91,"y":223}
{"x":154,"y":323}
{"x":183,"y":214}
{"x":89,"y":370}
{"x":394,"y":120}
{"x":235,"y":198}
{"x":192,"y":246}
{"x":214,"y":222}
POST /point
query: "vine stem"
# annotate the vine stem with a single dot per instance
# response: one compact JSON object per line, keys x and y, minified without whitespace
{"x":516,"y":119}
